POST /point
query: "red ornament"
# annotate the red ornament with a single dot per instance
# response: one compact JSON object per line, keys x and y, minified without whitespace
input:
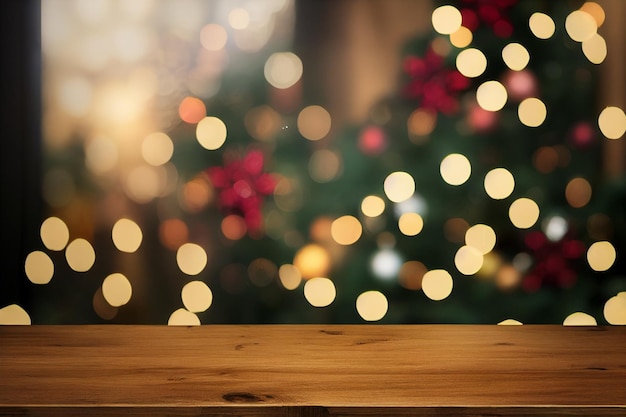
{"x":434,"y":85}
{"x":242,"y":186}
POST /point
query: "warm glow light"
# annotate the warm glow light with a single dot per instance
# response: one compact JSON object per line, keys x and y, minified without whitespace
{"x":182,"y":317}
{"x":157,"y":148}
{"x":455,"y":169}
{"x":580,"y":25}
{"x":213,"y":37}
{"x":191,"y":110}
{"x":319,"y":291}
{"x":196,"y":195}
{"x":80,"y":255}
{"x":446,"y":19}
{"x":468,"y":260}
{"x":612,"y":122}
{"x":101,"y":155}
{"x":386,"y":264}
{"x":142,"y":184}
{"x":524,"y":213}
{"x":197,"y":296}
{"x":462,"y":37}
{"x":263,"y":123}
{"x":239,"y":18}
{"x":283,"y":69}
{"x":515,"y":56}
{"x":410,"y":224}
{"x":471,"y":62}
{"x":399,"y":186}
{"x":346,"y":230}
{"x":372,"y":305}
{"x":510,"y":322}
{"x":312,"y":260}
{"x":211,"y":133}
{"x":372,"y":206}
{"x":39,"y":267}
{"x":541,"y":25}
{"x":601,"y":256}
{"x":615,"y":309}
{"x":191,"y":258}
{"x":491,"y":95}
{"x":314,"y":122}
{"x":481,"y":237}
{"x":579,"y":319}
{"x":595,"y":49}
{"x":578,"y":192}
{"x":54,"y":233}
{"x":499,"y":183}
{"x":14,"y":315}
{"x":421,"y":123}
{"x":289,"y":276}
{"x":437,"y":284}
{"x":126,"y":235}
{"x":532,"y":112}
{"x":117,"y":290}
{"x":595,"y":10}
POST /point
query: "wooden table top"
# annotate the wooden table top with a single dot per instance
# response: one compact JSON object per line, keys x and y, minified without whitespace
{"x":313,"y":370}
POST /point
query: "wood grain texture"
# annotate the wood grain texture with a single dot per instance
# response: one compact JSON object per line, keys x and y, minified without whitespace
{"x":311,"y":370}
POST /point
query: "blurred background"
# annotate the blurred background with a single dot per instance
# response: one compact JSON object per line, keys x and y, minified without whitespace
{"x":288,"y":161}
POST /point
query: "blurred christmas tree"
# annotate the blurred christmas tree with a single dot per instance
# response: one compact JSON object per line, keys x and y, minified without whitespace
{"x":473,"y":195}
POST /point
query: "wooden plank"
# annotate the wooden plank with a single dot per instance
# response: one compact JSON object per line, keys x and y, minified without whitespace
{"x":311,"y":370}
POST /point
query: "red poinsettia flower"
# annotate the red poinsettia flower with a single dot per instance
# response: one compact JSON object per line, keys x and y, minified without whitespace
{"x":436,"y":86}
{"x":553,"y":261}
{"x":492,"y":13}
{"x":242,"y":186}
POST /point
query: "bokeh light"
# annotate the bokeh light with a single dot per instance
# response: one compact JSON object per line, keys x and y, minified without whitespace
{"x":126,"y":235}
{"x":595,"y":49}
{"x":455,"y":169}
{"x":101,"y":155}
{"x":211,"y":133}
{"x":468,"y":260}
{"x":462,"y":37}
{"x":117,"y":289}
{"x":239,"y":18}
{"x":410,"y":224}
{"x":532,"y":112}
{"x":346,"y":230}
{"x":314,"y":122}
{"x":615,"y":309}
{"x":157,"y":148}
{"x":234,"y":227}
{"x":510,"y":322}
{"x":262,"y":272}
{"x":80,"y":255}
{"x":54,"y":233}
{"x":523,"y":213}
{"x":191,"y":110}
{"x":372,"y":206}
{"x":446,"y":19}
{"x":191,"y":258}
{"x":601,"y":256}
{"x":183,"y":317}
{"x":491,"y":95}
{"x":386,"y":264}
{"x":595,"y":10}
{"x":312,"y":260}
{"x":263,"y":123}
{"x":324,"y":165}
{"x":515,"y":56}
{"x":411,"y":274}
{"x":612,"y":122}
{"x":38,"y":267}
{"x":420,"y":124}
{"x":399,"y":186}
{"x":196,"y":296}
{"x":283,"y":69}
{"x":372,"y":305}
{"x":213,"y":37}
{"x":437,"y":284}
{"x":481,"y":237}
{"x":578,"y":192}
{"x":471,"y":62}
{"x":319,"y":291}
{"x":289,"y":276}
{"x":541,"y":25}
{"x":14,"y":315}
{"x":580,"y":25}
{"x":499,"y":183}
{"x":579,"y":319}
